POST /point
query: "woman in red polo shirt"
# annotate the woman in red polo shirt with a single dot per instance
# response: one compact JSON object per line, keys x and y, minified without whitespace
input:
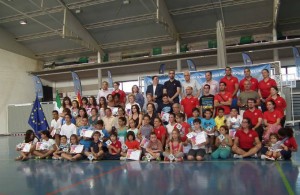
{"x":160,"y":130}
{"x":264,"y":87}
{"x":279,"y":102}
{"x":246,"y":141}
{"x":272,"y":119}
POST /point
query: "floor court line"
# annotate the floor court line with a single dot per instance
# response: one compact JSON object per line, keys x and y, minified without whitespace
{"x":86,"y":180}
{"x":285,"y":181}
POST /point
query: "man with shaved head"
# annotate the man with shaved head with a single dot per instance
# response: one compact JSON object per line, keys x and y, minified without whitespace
{"x":189,"y":102}
{"x":188,"y":82}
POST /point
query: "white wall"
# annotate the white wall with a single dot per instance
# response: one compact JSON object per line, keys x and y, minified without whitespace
{"x":16,"y":84}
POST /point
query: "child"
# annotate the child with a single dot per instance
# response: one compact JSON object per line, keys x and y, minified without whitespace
{"x":160,"y":130}
{"x":55,"y":126}
{"x":289,"y":143}
{"x":274,"y":147}
{"x":69,"y":156}
{"x":183,"y":127}
{"x":63,"y":147}
{"x":164,"y":109}
{"x":234,"y":122}
{"x":196,"y":114}
{"x":48,"y":143}
{"x":131,"y":143}
{"x":154,"y":147}
{"x":29,"y":138}
{"x":132,"y":127}
{"x":224,"y":143}
{"x":175,"y":145}
{"x":68,"y":128}
{"x":220,"y":119}
{"x":146,"y":129}
{"x":86,"y":141}
{"x":198,"y":151}
{"x":114,"y":149}
{"x":122,"y":130}
{"x":96,"y":147}
{"x":208,"y":124}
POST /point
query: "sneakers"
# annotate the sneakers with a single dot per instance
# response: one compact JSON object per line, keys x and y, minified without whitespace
{"x":263,"y":157}
{"x":237,"y":156}
{"x":270,"y":158}
{"x":158,"y":159}
{"x":123,"y":158}
{"x":209,"y":151}
{"x":54,"y":158}
{"x":254,"y":156}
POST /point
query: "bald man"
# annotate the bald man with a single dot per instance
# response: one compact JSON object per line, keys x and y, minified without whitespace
{"x":189,"y":102}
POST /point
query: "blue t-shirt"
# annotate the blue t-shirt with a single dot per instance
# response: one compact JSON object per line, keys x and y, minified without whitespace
{"x":190,"y":121}
{"x":210,"y":123}
{"x":63,"y":121}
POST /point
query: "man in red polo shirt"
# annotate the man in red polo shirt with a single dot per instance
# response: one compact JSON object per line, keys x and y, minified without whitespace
{"x":223,"y":99}
{"x":254,"y":81}
{"x":264,"y":87}
{"x":120,"y":92}
{"x":232,"y":86}
{"x":256,"y":117}
{"x":189,"y":102}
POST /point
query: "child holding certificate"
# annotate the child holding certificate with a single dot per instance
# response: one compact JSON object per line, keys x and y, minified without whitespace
{"x":208,"y":124}
{"x":74,"y":154}
{"x":130,"y":144}
{"x":63,"y":147}
{"x":176,"y":147}
{"x":31,"y":139}
{"x":224,"y":144}
{"x":96,"y":149}
{"x":46,"y":148}
{"x":199,"y":140}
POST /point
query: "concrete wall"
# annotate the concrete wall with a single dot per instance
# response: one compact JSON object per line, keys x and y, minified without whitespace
{"x":15,"y":83}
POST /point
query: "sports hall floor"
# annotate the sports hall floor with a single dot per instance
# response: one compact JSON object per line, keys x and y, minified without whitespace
{"x":49,"y":177}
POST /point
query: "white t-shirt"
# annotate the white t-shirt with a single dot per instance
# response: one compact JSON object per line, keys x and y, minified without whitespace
{"x":234,"y":122}
{"x":56,"y":125}
{"x":170,"y":128}
{"x":68,"y":130}
{"x":49,"y":144}
{"x":193,"y":83}
{"x":103,"y":93}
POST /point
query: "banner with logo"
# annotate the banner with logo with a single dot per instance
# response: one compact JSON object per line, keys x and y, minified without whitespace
{"x":217,"y":74}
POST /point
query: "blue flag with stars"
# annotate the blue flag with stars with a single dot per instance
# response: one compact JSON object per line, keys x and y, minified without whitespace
{"x":37,"y":119}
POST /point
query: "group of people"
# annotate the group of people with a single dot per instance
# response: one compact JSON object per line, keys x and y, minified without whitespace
{"x":176,"y":121}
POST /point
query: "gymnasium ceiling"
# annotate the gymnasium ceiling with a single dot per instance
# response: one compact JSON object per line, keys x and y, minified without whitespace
{"x":130,"y":25}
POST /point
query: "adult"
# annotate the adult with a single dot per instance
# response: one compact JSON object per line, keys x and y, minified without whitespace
{"x":121,"y":113}
{"x":94,"y":117}
{"x":232,"y":85}
{"x":117,"y":101}
{"x":189,"y":102}
{"x":66,"y":103}
{"x":248,"y":77}
{"x":131,"y":102}
{"x":272,"y":118}
{"x":171,"y":125}
{"x":110,"y":101}
{"x":104,"y":91}
{"x":223,"y":99}
{"x":156,"y":90}
{"x":256,"y":117}
{"x":81,"y":114}
{"x":172,"y":88}
{"x":160,"y":130}
{"x":188,"y":82}
{"x":176,"y":108}
{"x":264,"y":87}
{"x":55,"y":126}
{"x":149,"y":98}
{"x":279,"y":102}
{"x":117,"y":90}
{"x":109,"y":120}
{"x":206,"y":101}
{"x":213,"y":84}
{"x":246,"y":141}
{"x":151,"y":112}
{"x":75,"y":108}
{"x":102,"y":106}
{"x":245,"y":95}
{"x":91,"y":104}
{"x":139,"y":98}
{"x":136,"y":116}
{"x":68,"y":128}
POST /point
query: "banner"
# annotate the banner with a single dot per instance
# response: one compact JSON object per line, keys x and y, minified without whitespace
{"x":216,"y":74}
{"x":297,"y":60}
{"x":247,"y":59}
{"x":77,"y":84}
{"x":38,"y":87}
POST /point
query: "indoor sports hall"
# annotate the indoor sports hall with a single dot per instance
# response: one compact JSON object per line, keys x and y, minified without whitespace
{"x":149,"y":97}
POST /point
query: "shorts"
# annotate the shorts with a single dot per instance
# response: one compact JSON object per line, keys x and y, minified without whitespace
{"x":286,"y":155}
{"x":197,"y":152}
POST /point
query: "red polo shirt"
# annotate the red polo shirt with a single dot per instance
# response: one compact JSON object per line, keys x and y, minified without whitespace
{"x":117,"y":144}
{"x":272,"y":117}
{"x":132,"y":144}
{"x":122,"y":95}
{"x":291,"y":143}
{"x":230,"y":84}
{"x":280,"y":104}
{"x":254,"y":84}
{"x":188,"y":105}
{"x":253,"y":116}
{"x":246,"y":140}
{"x":160,"y":132}
{"x":265,"y":86}
{"x":223,"y":98}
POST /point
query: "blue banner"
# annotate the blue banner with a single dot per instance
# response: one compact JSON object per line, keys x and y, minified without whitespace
{"x":77,"y":84}
{"x":297,"y":60}
{"x":38,"y":87}
{"x":216,"y":74}
{"x":247,"y":59}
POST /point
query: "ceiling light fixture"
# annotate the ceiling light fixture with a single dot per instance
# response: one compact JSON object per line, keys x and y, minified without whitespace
{"x":23,"y":22}
{"x":125,"y":2}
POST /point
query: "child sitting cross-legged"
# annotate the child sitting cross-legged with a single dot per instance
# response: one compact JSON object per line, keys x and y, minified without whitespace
{"x":63,"y":147}
{"x":114,"y":148}
{"x":96,"y":150}
{"x":131,"y":143}
{"x":198,"y":150}
{"x":176,"y":148}
{"x":70,"y":156}
{"x":154,"y":148}
{"x":224,"y":144}
{"x":49,"y":146}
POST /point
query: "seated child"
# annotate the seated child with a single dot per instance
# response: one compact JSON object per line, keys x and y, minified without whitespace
{"x":49,"y":146}
{"x":114,"y":149}
{"x":176,"y":147}
{"x":69,"y":156}
{"x":63,"y":147}
{"x":198,"y":150}
{"x":234,"y":122}
{"x":96,"y":147}
{"x":154,"y":148}
{"x":224,"y":144}
{"x":31,"y":139}
{"x":131,"y":143}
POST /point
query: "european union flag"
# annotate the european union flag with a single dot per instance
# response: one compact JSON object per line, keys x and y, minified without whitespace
{"x":37,"y":119}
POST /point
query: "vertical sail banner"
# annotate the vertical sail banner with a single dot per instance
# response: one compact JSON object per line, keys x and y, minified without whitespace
{"x":38,"y":87}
